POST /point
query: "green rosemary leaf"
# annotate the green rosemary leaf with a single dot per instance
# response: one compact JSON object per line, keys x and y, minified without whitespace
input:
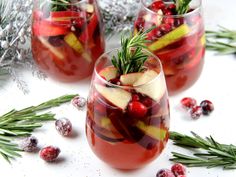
{"x":182,"y":6}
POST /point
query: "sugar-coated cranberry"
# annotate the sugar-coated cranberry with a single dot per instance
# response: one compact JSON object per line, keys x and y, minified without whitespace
{"x":137,"y":109}
{"x":178,"y":169}
{"x":63,"y":126}
{"x":196,"y":112}
{"x":188,"y":102}
{"x":115,"y":81}
{"x":49,"y":153}
{"x":29,"y":144}
{"x":157,"y":5}
{"x":79,"y":102}
{"x":165,"y":173}
{"x":207,"y":107}
{"x":135,"y":97}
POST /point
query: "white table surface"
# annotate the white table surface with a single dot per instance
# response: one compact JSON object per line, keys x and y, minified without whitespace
{"x":217,"y":83}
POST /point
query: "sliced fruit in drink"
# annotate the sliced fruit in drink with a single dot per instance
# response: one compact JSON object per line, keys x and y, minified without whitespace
{"x":75,"y":44}
{"x":151,"y":85}
{"x":170,"y":38}
{"x":130,"y":79}
{"x":88,"y":8}
{"x":109,"y":73}
{"x":52,"y":49}
{"x":116,"y":96}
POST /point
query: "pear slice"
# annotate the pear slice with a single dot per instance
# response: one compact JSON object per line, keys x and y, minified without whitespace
{"x":170,"y":38}
{"x":109,"y":73}
{"x":116,"y":96}
{"x":155,"y":89}
{"x":152,"y":131}
{"x":130,"y":79}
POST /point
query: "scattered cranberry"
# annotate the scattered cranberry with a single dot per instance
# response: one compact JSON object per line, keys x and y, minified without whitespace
{"x":135,"y":97}
{"x":165,"y":173}
{"x":188,"y":102}
{"x":178,"y":169}
{"x":29,"y":144}
{"x":207,"y":107}
{"x":79,"y":102}
{"x":137,"y":109}
{"x":49,"y":153}
{"x":63,"y":126}
{"x":196,"y":112}
{"x":155,"y":6}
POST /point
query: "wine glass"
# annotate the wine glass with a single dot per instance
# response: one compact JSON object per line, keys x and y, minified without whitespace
{"x":67,"y":37}
{"x":127,"y":115}
{"x":178,"y":40}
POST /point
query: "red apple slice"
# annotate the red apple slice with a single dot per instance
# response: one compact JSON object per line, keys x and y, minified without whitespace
{"x":130,"y":79}
{"x":155,"y":89}
{"x":109,"y":73}
{"x":116,"y":96}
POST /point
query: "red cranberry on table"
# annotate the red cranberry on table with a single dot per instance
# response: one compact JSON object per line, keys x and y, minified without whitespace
{"x":188,"y":102}
{"x":137,"y":109}
{"x":165,"y":173}
{"x":49,"y":153}
{"x":207,"y":107}
{"x":178,"y":169}
{"x":195,"y":112}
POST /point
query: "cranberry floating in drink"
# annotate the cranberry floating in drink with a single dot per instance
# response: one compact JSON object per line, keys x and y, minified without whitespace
{"x":177,"y":39}
{"x":128,"y":110}
{"x":67,"y":38}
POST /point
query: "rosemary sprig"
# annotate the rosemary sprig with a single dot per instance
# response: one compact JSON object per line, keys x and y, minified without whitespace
{"x":130,"y":58}
{"x":222,"y":41}
{"x":206,"y":152}
{"x":182,"y":6}
{"x":59,"y":5}
{"x":16,"y":123}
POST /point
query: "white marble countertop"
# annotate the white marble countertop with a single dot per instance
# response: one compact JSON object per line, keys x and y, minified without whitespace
{"x":217,"y":83}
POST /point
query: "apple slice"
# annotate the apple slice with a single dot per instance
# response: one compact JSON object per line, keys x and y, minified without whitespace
{"x":170,"y":38}
{"x":109,"y":73}
{"x":53,"y":49}
{"x":116,"y":96}
{"x":155,"y":89}
{"x":152,"y":131}
{"x":130,"y":79}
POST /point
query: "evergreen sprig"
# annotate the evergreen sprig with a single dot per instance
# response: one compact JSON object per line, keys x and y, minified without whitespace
{"x":17,"y":123}
{"x":59,"y":5}
{"x":131,"y":58}
{"x":206,"y":152}
{"x":182,"y":6}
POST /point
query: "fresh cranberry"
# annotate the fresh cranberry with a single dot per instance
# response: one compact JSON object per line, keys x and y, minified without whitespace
{"x":157,"y":5}
{"x":167,"y":12}
{"x":154,"y":34}
{"x":115,"y":81}
{"x":135,"y":97}
{"x":196,"y":112}
{"x":80,"y":22}
{"x":165,"y":28}
{"x":49,"y":153}
{"x":137,"y":109}
{"x":139,"y":24}
{"x":165,"y":173}
{"x":169,"y":20}
{"x":147,"y":102}
{"x":188,"y":102}
{"x":207,"y":107}
{"x":178,"y":169}
{"x":171,"y":7}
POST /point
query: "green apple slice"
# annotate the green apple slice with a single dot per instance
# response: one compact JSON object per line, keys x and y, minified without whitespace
{"x":155,"y":89}
{"x":152,"y":131}
{"x":109,"y":73}
{"x":130,"y":79}
{"x":53,"y":49}
{"x":170,"y":38}
{"x":116,"y":96}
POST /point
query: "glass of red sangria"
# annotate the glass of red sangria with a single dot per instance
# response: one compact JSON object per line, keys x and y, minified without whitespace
{"x":127,"y":112}
{"x":67,"y":37}
{"x":177,"y":39}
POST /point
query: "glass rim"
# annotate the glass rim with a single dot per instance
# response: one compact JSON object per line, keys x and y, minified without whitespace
{"x":199,"y":7}
{"x":62,"y":2}
{"x":160,"y":74}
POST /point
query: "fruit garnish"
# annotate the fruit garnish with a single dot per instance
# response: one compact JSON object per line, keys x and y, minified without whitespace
{"x":130,"y":79}
{"x":130,"y":58}
{"x":74,"y":43}
{"x":116,"y":96}
{"x":170,"y":38}
{"x":109,"y":73}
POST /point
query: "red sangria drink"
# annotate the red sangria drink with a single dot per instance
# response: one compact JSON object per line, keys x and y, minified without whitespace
{"x":128,"y":110}
{"x":177,"y":39}
{"x":67,"y":37}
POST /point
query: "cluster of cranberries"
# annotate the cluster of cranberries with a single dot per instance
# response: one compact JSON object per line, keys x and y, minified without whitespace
{"x":205,"y":108}
{"x":177,"y":170}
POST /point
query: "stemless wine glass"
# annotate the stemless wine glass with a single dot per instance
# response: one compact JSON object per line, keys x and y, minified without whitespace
{"x":67,"y":37}
{"x":119,"y":137}
{"x":178,"y":40}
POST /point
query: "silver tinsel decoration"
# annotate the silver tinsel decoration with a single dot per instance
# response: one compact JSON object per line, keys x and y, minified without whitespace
{"x":15,"y":31}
